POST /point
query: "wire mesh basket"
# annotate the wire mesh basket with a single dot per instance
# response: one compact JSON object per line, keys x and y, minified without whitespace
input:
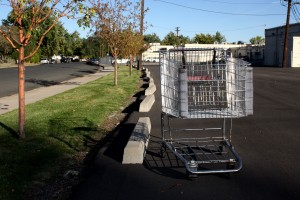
{"x":205,"y":84}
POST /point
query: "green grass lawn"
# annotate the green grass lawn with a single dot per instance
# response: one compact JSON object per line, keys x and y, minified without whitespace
{"x":58,"y":128}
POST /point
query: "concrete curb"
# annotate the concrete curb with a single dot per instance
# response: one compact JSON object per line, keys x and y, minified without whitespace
{"x":135,"y":149}
{"x":150,"y":90}
{"x":147,"y":103}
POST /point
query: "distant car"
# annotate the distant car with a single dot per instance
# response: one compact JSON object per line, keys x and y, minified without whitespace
{"x":44,"y":61}
{"x":120,"y":61}
{"x":95,"y":62}
{"x":65,"y":60}
{"x":53,"y":61}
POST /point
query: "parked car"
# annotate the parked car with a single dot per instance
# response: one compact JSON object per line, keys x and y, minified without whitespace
{"x":65,"y":60}
{"x":53,"y":61}
{"x":95,"y":62}
{"x":120,"y":61}
{"x":44,"y":61}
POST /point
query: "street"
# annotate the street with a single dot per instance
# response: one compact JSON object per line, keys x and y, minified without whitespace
{"x":42,"y":76}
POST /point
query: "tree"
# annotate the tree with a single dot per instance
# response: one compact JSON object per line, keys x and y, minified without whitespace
{"x":152,"y":38}
{"x":257,"y":40}
{"x":5,"y":48}
{"x":28,"y":17}
{"x":204,"y":39}
{"x":135,"y":42}
{"x":55,"y":42}
{"x":90,"y":47}
{"x":219,"y":37}
{"x":76,"y":43}
{"x":208,"y":38}
{"x":170,"y":39}
{"x":111,"y":19}
{"x":184,"y":39}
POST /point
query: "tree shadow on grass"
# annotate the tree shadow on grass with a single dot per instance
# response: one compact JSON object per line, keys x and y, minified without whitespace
{"x":73,"y":132}
{"x":13,"y":132}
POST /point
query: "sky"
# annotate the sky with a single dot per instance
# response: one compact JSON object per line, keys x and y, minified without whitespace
{"x":237,"y":20}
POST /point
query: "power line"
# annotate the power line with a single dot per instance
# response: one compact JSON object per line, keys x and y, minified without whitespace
{"x":224,"y":30}
{"x":237,"y":3}
{"x":217,"y":12}
{"x":296,"y":13}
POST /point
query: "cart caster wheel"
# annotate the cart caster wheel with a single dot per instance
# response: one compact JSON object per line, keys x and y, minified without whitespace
{"x":191,"y":176}
{"x":221,"y":150}
{"x":221,"y":147}
{"x":230,"y":166}
{"x":163,"y":151}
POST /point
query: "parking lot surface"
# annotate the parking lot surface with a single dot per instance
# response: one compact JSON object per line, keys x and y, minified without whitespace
{"x":268,"y":143}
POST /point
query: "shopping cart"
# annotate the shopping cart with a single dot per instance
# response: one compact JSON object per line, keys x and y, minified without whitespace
{"x":206,"y":84}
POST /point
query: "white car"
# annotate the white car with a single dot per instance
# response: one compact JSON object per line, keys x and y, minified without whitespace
{"x":44,"y":61}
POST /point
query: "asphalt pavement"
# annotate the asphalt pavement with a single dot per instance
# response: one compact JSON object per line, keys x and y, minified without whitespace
{"x":268,"y":143}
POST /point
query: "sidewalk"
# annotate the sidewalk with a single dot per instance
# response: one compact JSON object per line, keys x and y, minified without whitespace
{"x":10,"y":103}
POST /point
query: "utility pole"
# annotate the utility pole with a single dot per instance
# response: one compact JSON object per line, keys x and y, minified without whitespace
{"x":287,"y":26}
{"x":177,"y":31}
{"x":140,"y":56}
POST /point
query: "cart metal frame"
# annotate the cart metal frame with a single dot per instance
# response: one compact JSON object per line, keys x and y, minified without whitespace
{"x":203,"y":84}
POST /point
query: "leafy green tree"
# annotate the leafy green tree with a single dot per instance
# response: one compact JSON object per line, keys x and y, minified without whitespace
{"x":76,"y":42}
{"x":208,"y":38}
{"x":56,"y":41}
{"x":91,"y":47}
{"x":170,"y":39}
{"x":184,"y":40}
{"x":257,"y":40}
{"x":218,"y":37}
{"x":203,"y":39}
{"x":151,"y":38}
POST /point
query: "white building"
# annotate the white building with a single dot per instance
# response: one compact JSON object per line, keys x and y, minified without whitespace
{"x":152,"y":54}
{"x":274,"y":40}
{"x":248,"y":51}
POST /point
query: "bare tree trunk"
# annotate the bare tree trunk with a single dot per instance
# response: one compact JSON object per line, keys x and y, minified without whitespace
{"x":131,"y":63}
{"x":116,"y":71}
{"x":21,"y":69}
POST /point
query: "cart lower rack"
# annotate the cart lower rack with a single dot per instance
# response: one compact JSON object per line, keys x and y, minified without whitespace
{"x":203,"y":84}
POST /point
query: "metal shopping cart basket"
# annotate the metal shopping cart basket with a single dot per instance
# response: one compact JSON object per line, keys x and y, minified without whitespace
{"x":206,"y":84}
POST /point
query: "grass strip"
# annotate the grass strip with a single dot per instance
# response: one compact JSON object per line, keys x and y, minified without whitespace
{"x":58,"y":128}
